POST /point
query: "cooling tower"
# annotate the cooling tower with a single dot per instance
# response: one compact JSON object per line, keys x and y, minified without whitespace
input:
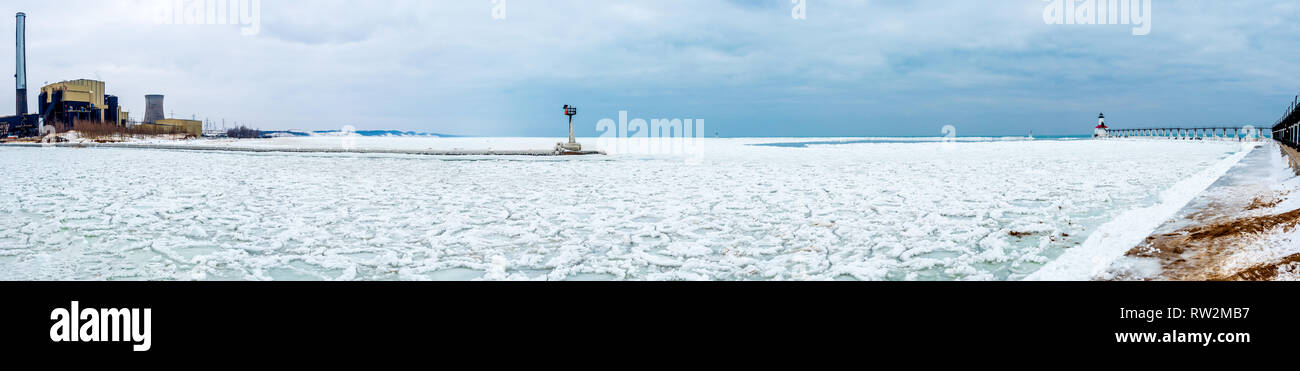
{"x":153,"y":108}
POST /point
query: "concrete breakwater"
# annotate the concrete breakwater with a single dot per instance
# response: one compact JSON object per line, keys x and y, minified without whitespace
{"x":421,"y":152}
{"x":1235,"y":230}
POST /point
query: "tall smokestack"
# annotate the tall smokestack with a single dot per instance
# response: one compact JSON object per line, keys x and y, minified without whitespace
{"x":153,"y":108}
{"x":21,"y":75}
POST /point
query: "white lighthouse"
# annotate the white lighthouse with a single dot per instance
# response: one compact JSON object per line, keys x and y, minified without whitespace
{"x":1101,"y":131}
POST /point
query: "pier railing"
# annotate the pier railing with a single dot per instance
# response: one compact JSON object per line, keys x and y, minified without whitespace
{"x":1287,"y":129}
{"x":1241,"y":133}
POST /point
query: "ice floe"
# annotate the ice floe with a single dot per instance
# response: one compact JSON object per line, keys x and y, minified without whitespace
{"x":980,"y":210}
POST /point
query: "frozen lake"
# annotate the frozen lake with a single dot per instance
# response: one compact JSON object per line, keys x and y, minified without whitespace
{"x":996,"y":210}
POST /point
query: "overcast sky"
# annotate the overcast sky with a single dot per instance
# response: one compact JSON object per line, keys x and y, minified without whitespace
{"x":748,"y":68}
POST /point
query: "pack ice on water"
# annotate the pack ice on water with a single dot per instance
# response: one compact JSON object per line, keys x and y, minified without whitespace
{"x":996,"y":210}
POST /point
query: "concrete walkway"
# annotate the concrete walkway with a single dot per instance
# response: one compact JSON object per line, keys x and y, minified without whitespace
{"x":1221,"y":233}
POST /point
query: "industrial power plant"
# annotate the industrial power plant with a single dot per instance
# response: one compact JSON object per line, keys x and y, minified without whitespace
{"x":68,"y":104}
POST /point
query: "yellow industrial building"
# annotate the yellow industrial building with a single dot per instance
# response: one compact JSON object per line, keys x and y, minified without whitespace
{"x":78,"y":91}
{"x":192,"y":128}
{"x":84,"y":100}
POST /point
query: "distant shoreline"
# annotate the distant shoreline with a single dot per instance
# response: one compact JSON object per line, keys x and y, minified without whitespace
{"x":428,"y":152}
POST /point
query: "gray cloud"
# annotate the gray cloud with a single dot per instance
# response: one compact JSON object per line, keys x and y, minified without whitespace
{"x":852,"y":68}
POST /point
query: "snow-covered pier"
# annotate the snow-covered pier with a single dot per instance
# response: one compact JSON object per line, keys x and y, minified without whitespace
{"x":1242,"y":133}
{"x":1286,"y":131}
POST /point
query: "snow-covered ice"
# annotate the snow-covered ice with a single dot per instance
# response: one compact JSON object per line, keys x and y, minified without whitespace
{"x":865,"y":211}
